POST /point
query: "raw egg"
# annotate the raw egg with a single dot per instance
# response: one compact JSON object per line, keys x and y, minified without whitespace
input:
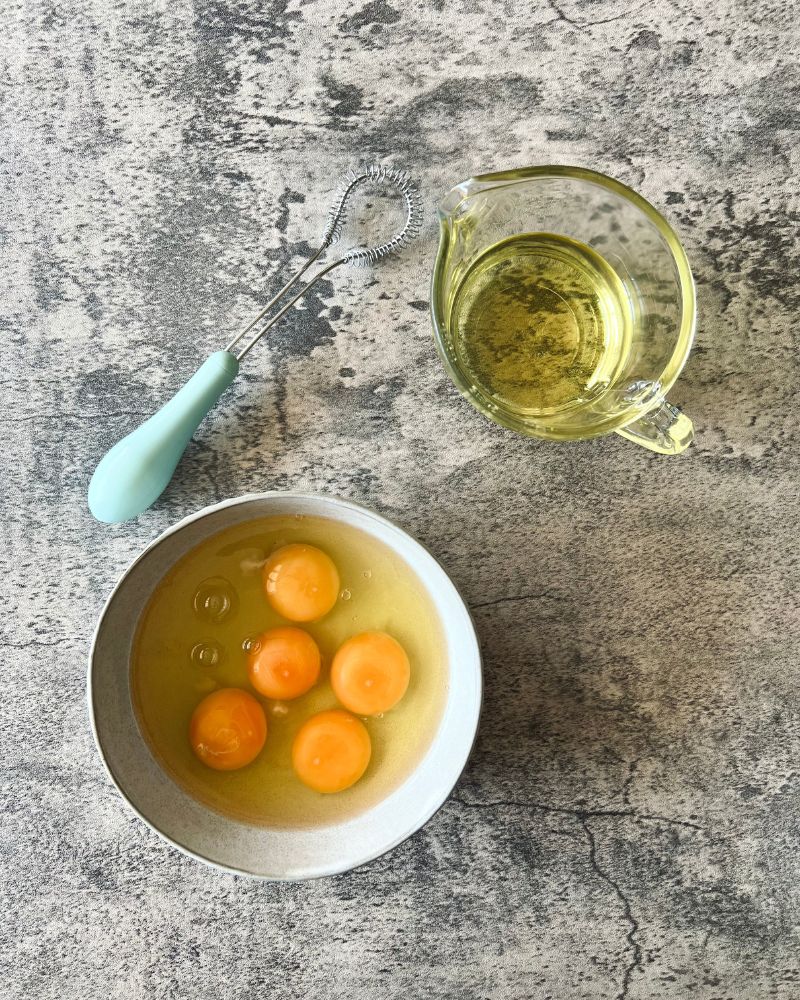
{"x":331,"y":751}
{"x":370,"y":673}
{"x":285,"y":663}
{"x":228,"y":729}
{"x":301,"y":581}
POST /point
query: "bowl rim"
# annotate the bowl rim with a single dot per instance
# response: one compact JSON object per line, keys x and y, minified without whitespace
{"x":331,"y":869}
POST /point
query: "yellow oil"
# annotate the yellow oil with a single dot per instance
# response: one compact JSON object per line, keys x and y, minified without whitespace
{"x":194,"y":636}
{"x":540,"y":323}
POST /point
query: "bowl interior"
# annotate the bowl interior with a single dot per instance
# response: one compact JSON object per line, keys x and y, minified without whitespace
{"x":229,"y":843}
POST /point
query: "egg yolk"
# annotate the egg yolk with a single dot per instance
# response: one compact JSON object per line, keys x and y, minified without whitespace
{"x":331,"y":751}
{"x":302,"y":582}
{"x":228,"y":729}
{"x":370,"y":673}
{"x":285,"y":664}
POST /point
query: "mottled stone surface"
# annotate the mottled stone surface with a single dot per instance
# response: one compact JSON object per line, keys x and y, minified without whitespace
{"x":628,"y":825}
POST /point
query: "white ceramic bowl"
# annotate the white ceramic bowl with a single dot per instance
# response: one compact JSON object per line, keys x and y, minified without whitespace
{"x":231,"y":844}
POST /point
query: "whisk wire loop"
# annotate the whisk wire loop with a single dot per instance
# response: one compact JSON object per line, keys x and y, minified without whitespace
{"x":375,"y":174}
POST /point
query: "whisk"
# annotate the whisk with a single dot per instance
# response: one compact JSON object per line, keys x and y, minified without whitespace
{"x":135,"y":472}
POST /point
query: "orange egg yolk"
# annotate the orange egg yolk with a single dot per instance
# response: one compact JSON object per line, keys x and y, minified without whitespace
{"x":331,"y":751}
{"x":302,"y":582}
{"x":370,"y":673}
{"x":228,"y":729}
{"x":285,"y":664}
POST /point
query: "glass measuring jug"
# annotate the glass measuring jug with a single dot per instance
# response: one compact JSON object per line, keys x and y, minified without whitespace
{"x":563,"y":306}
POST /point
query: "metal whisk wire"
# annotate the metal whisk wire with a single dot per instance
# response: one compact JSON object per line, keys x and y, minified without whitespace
{"x":375,"y":174}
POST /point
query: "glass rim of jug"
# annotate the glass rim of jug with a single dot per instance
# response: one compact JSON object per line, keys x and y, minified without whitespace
{"x":688,"y":322}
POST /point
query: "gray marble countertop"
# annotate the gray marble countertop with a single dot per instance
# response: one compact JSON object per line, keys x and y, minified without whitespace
{"x":628,"y":824}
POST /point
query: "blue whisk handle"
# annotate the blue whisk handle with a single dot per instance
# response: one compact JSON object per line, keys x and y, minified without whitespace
{"x":135,"y":472}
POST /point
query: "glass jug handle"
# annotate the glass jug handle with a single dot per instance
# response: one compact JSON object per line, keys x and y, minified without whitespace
{"x":665,"y":429}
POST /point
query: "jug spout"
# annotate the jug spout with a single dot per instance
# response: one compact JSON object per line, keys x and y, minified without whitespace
{"x":665,"y":429}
